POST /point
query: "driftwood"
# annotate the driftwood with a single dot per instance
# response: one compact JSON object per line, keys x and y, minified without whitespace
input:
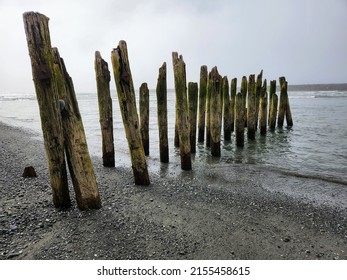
{"x":127,"y":104}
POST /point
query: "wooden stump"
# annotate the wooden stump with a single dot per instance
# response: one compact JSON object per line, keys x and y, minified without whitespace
{"x":258,"y":88}
{"x":105,"y":109}
{"x":251,"y":109}
{"x":193,"y":111}
{"x":244,"y":98}
{"x":144,"y":116}
{"x":263,"y":109}
{"x":273,"y":105}
{"x":183,"y":128}
{"x":227,"y":110}
{"x":161,"y":91}
{"x":76,"y":147}
{"x":284,"y":107}
{"x":215,"y":91}
{"x":232,"y":101}
{"x":239,"y":120}
{"x":127,"y":104}
{"x":202,"y":103}
{"x":41,"y":56}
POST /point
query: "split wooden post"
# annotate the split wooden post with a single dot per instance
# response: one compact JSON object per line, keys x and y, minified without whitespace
{"x":105,"y":109}
{"x":76,"y":147}
{"x":41,"y":56}
{"x":228,"y":111}
{"x":202,"y":103}
{"x":179,"y":68}
{"x":127,"y":104}
{"x":161,"y":91}
{"x":258,"y":88}
{"x":273,"y":105}
{"x":244,"y":98}
{"x":215,"y":91}
{"x":193,"y":111}
{"x":239,"y":120}
{"x":284,"y":107}
{"x":232,"y":101}
{"x":263,"y":109}
{"x":251,"y":109}
{"x":144,"y":116}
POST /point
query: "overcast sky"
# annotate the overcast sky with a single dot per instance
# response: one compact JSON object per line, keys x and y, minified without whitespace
{"x":304,"y":40}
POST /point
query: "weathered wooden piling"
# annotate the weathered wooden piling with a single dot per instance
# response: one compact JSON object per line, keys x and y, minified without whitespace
{"x":284,"y":107}
{"x":244,"y":98}
{"x":233,"y":86}
{"x":227,"y":110}
{"x":202,"y":103}
{"x":161,"y":92}
{"x":251,"y":108}
{"x":105,"y":109}
{"x":263,"y":109}
{"x":127,"y":104}
{"x":239,"y":119}
{"x":273,"y":105}
{"x":258,"y":88}
{"x":41,"y":56}
{"x":193,"y":111}
{"x":215,"y":91}
{"x":144,"y":116}
{"x":76,"y":147}
{"x":208,"y":116}
{"x":179,"y":68}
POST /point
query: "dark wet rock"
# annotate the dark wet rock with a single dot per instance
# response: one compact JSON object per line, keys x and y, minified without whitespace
{"x":29,"y":172}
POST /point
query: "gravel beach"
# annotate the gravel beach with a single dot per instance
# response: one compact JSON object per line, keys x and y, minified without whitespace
{"x":239,"y":212}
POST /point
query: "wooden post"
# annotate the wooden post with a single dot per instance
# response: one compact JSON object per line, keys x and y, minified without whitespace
{"x":76,"y":147}
{"x":193,"y":110}
{"x":239,"y":120}
{"x":105,"y":109}
{"x":227,"y":114}
{"x":208,"y":115}
{"x":263,"y":109}
{"x":251,"y":109}
{"x":215,"y":91}
{"x":161,"y":91}
{"x":244,"y":98}
{"x":179,"y":68}
{"x":202,"y":103}
{"x":41,"y":56}
{"x":258,"y":89}
{"x":127,"y":104}
{"x":284,"y":107}
{"x":273,"y":105}
{"x":144,"y":116}
{"x":232,"y":101}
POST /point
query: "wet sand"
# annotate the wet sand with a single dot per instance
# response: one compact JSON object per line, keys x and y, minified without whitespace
{"x":234,"y":211}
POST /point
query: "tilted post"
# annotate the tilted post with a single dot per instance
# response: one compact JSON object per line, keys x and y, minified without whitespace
{"x":127,"y":104}
{"x":41,"y":56}
{"x":179,"y":68}
{"x":144,"y":116}
{"x":105,"y":109}
{"x":76,"y":148}
{"x":161,"y":91}
{"x":202,"y":103}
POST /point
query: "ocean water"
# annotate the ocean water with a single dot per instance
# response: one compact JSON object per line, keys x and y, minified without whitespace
{"x":316,"y":146}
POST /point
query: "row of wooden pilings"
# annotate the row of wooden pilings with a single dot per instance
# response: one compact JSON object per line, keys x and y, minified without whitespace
{"x":202,"y":107}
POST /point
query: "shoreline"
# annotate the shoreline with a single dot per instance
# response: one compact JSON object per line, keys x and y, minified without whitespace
{"x":235,"y":212}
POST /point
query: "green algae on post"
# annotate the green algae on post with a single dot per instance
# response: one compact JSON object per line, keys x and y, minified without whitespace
{"x":202,"y":103}
{"x":144,"y":116}
{"x":193,"y":111}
